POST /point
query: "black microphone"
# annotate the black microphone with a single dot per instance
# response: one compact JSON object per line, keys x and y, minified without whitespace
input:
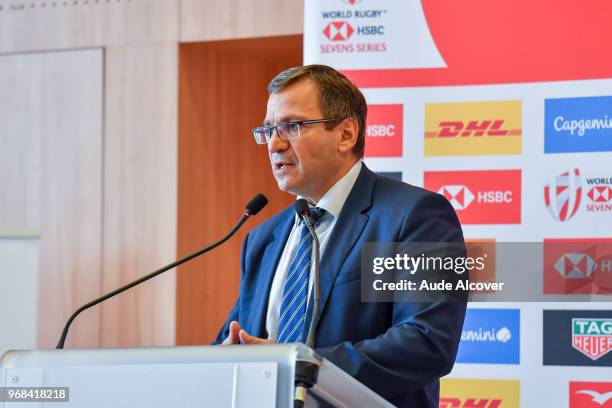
{"x":301,"y":208}
{"x":253,"y":207}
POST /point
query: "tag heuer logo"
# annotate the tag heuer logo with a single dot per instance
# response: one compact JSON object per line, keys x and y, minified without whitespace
{"x":592,"y":337}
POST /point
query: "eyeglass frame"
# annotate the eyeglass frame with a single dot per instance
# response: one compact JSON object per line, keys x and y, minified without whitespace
{"x":269,"y":130}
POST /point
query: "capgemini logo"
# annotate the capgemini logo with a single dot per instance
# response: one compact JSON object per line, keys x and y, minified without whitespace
{"x":503,"y":335}
{"x":562,"y":195}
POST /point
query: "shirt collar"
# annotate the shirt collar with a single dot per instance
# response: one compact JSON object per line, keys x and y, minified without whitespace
{"x":333,"y":200}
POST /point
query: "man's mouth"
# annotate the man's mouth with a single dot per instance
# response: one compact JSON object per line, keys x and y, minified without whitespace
{"x":282,"y":165}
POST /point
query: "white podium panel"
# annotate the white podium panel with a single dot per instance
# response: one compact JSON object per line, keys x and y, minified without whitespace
{"x":206,"y":376}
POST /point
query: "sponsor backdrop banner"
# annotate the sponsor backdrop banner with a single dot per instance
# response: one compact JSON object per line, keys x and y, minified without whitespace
{"x":512,"y":123}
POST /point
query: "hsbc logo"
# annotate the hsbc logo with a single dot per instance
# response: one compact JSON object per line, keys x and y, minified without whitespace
{"x":384,"y":130}
{"x":600,"y":194}
{"x":338,"y":31}
{"x":575,"y":266}
{"x":562,"y":195}
{"x":578,"y":266}
{"x":480,"y":197}
{"x":590,"y":394}
{"x":351,"y":2}
{"x":380,"y":130}
{"x":461,"y":197}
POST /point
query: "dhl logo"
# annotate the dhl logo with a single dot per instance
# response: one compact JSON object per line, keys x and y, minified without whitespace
{"x":469,"y":403}
{"x":473,"y":128}
{"x":476,"y":393}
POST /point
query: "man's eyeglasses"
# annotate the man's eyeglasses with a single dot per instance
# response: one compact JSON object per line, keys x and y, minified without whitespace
{"x":286,"y":131}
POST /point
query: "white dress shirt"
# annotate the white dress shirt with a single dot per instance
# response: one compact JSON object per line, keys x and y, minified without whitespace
{"x":332,"y":201}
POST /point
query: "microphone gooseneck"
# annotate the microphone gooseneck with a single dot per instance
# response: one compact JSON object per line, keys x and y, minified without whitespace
{"x":252,"y":208}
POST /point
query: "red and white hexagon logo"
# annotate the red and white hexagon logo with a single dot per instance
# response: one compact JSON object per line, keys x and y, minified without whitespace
{"x":600,"y":194}
{"x":338,"y":31}
{"x":575,"y":266}
{"x":459,"y":196}
{"x":352,"y":2}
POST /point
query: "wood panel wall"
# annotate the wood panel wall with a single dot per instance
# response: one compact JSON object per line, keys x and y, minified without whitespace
{"x":140,"y":189}
{"x":222,"y":95}
{"x":206,"y":20}
{"x":34,"y":25}
{"x":50,"y":178}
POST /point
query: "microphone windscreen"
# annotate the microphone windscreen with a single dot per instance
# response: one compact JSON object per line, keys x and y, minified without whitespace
{"x":301,"y":207}
{"x":256,"y":204}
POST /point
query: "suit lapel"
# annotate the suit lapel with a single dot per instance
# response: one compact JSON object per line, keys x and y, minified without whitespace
{"x":271,"y":257}
{"x":346,"y":233}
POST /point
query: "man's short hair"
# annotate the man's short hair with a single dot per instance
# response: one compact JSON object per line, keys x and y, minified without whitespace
{"x":339,"y":98}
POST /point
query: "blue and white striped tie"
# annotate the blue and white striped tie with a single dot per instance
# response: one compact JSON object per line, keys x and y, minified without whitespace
{"x":295,"y":291}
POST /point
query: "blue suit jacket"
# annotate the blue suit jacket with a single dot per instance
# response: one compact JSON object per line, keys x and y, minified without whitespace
{"x":399,"y":350}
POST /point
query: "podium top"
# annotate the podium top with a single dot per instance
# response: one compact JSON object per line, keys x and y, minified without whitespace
{"x":47,"y":367}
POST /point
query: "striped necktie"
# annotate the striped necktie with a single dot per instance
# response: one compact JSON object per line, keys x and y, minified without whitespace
{"x":295,"y":291}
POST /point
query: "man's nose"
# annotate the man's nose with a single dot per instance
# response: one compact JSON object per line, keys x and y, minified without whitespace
{"x":276,"y":144}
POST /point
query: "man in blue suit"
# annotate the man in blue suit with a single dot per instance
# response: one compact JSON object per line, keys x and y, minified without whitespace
{"x":315,"y":134}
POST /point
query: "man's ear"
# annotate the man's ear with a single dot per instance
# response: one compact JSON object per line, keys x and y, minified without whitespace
{"x":349,"y":129}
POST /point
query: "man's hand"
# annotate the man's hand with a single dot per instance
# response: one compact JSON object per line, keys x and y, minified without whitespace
{"x":232,"y":337}
{"x":238,"y":336}
{"x":246,"y":338}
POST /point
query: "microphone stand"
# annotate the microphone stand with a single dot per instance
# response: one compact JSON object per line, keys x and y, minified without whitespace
{"x":253,"y":208}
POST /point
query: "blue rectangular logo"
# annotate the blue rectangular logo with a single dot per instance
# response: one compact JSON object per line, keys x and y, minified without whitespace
{"x":491,"y":336}
{"x":578,"y":125}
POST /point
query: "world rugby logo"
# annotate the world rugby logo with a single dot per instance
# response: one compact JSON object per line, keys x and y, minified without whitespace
{"x":562,"y":195}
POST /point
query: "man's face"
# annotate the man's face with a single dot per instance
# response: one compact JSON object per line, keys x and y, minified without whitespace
{"x":309,"y":164}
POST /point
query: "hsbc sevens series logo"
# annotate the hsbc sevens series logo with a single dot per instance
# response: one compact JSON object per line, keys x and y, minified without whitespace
{"x":353,"y":30}
{"x":562,"y":195}
{"x":473,"y":128}
{"x":481,"y":196}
